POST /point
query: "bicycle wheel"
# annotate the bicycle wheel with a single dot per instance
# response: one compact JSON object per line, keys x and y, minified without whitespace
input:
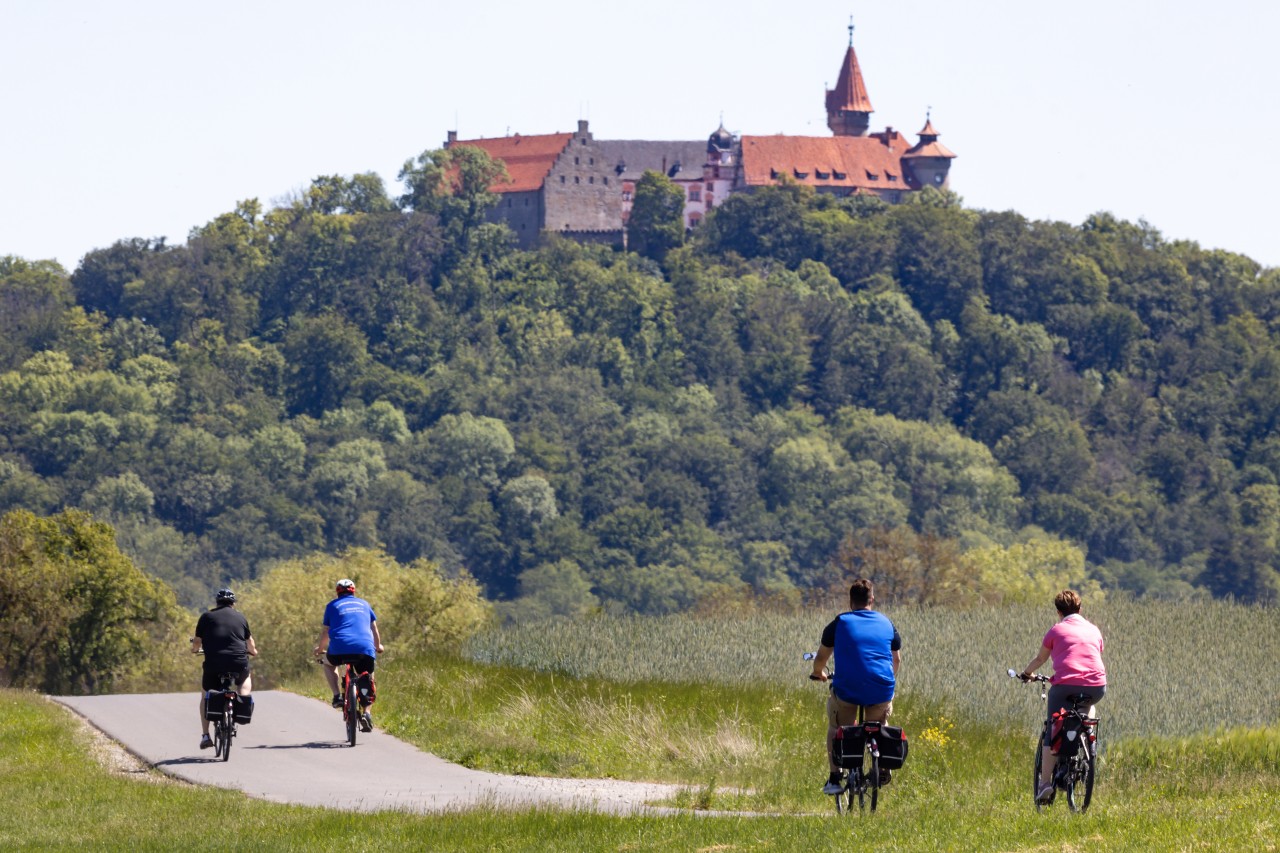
{"x":1080,"y":786}
{"x":351,"y":711}
{"x":1035,"y":779}
{"x":222,"y":744}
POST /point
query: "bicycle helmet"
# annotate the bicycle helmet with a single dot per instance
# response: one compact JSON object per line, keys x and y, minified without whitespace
{"x":346,"y":586}
{"x":225,"y":596}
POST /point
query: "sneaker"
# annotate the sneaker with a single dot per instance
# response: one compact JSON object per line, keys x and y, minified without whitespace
{"x":835,"y":784}
{"x":206,"y":742}
{"x":885,"y":777}
{"x":1044,"y":793}
{"x":337,"y":700}
{"x":366,"y":722}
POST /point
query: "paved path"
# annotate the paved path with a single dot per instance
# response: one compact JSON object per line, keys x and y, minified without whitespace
{"x":295,"y":751}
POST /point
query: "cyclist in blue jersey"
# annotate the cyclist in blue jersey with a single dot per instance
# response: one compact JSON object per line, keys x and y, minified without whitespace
{"x":350,"y":635}
{"x":868,"y":652}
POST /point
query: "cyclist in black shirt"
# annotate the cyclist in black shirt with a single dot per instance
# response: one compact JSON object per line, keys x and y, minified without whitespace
{"x":223,"y":633}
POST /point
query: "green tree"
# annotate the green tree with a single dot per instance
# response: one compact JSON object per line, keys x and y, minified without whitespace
{"x":655,"y":225}
{"x":74,"y":611}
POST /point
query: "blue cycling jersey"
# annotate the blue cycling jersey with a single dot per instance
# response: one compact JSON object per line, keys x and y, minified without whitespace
{"x":350,"y":623}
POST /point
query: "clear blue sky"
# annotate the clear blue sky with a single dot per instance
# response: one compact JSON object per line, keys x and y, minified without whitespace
{"x":141,"y":118}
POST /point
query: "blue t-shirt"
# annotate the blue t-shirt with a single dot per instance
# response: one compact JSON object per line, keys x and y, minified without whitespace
{"x":864,"y":643}
{"x":350,"y":623}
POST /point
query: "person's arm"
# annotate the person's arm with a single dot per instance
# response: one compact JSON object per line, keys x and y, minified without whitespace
{"x":897,"y":662}
{"x":1036,"y":663}
{"x":322,"y":642}
{"x":251,"y":647}
{"x":820,"y":663}
{"x":196,"y":645}
{"x":377,"y":636}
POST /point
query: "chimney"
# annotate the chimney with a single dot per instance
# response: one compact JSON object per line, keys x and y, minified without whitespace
{"x":582,"y":129}
{"x":453,"y":137}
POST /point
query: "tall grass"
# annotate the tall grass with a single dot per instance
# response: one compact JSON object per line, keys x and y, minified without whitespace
{"x":1172,"y":668}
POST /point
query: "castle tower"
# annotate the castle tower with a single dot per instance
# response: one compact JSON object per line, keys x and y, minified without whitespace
{"x":720,"y":146}
{"x":929,"y":160}
{"x":848,"y":106}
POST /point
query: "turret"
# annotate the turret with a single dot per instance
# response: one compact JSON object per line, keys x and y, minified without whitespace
{"x":929,"y":160}
{"x":720,"y":146}
{"x":848,"y":105}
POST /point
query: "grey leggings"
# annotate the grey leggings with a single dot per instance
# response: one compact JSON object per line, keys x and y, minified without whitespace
{"x":1058,"y":694}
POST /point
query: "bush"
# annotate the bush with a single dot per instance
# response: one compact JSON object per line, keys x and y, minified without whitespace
{"x":418,"y":609}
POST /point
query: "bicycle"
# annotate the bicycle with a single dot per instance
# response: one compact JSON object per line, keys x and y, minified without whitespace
{"x":857,"y":747}
{"x":223,"y":716}
{"x":355,"y":705}
{"x":1076,"y":729}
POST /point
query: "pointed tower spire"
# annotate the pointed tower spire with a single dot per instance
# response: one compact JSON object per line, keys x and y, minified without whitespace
{"x":848,"y":105}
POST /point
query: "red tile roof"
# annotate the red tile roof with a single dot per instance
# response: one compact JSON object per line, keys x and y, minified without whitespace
{"x":850,"y":93}
{"x":852,"y":162}
{"x":528,"y":158}
{"x":929,"y":146}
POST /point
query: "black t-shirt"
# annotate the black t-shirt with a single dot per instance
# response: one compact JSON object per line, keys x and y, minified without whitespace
{"x":224,"y":634}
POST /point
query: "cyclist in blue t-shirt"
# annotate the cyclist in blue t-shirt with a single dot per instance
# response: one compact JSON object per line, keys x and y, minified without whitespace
{"x":350,"y":635}
{"x":867,"y":650}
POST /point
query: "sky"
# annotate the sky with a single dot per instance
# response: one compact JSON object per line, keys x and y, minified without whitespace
{"x":140,"y":118}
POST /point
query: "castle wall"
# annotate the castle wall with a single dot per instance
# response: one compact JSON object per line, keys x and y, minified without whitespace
{"x":581,"y":193}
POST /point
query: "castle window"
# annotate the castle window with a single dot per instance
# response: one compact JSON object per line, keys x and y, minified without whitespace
{"x":840,"y":176}
{"x":892,"y":177}
{"x":695,"y":221}
{"x":606,"y":180}
{"x":576,"y":179}
{"x":695,"y":194}
{"x":821,"y":175}
{"x":562,"y":179}
{"x":591,"y":180}
{"x":710,"y":186}
{"x":591,"y":161}
{"x":872,"y":176}
{"x":799,"y":174}
{"x":773,"y":173}
{"x":576,"y":161}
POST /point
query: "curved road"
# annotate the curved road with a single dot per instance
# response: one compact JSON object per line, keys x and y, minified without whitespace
{"x":295,"y":751}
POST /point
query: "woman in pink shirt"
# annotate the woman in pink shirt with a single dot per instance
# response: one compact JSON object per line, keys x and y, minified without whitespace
{"x":1075,"y":645}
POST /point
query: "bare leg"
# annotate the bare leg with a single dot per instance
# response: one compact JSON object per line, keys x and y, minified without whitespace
{"x":246,"y":688}
{"x":1047,"y":762}
{"x":204,"y":721}
{"x":331,"y":676}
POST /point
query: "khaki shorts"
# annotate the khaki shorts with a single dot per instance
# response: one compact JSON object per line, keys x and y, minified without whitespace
{"x":842,"y":713}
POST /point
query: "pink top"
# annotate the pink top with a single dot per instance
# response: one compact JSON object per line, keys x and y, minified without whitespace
{"x":1075,"y":646}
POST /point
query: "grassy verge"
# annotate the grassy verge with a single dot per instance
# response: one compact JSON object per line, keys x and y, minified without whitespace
{"x":58,"y":797}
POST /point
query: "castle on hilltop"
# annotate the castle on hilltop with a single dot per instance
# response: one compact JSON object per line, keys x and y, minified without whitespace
{"x":577,"y":186}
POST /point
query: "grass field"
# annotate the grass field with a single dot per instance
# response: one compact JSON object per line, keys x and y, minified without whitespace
{"x":683,"y":700}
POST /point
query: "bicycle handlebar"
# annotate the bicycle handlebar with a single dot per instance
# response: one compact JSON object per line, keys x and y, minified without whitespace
{"x":1035,"y":677}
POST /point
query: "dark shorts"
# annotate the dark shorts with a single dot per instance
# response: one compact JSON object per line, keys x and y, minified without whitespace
{"x":363,"y":663}
{"x":212,"y":677}
{"x":1057,"y":698}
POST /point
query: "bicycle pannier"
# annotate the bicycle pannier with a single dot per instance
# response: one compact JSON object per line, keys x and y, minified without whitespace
{"x":214,"y":704}
{"x":366,"y":687}
{"x":243,"y":709}
{"x":848,"y":746}
{"x":1067,"y":731}
{"x":892,"y":741}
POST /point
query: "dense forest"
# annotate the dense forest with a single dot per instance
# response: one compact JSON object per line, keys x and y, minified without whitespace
{"x":949,"y":398}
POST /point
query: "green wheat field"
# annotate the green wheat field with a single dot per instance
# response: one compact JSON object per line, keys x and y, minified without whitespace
{"x":722,"y":705}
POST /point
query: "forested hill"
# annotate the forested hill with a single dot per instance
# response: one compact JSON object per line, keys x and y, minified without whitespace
{"x":954,"y":400}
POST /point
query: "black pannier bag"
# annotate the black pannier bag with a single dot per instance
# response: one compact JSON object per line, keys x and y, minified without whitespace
{"x":892,"y":741}
{"x":847,"y":747}
{"x":215,"y":702}
{"x":366,"y":687}
{"x":1068,"y":729}
{"x":243,"y":709}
